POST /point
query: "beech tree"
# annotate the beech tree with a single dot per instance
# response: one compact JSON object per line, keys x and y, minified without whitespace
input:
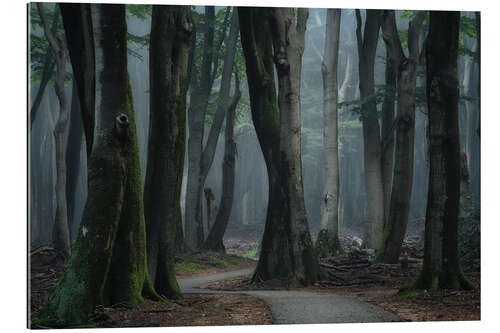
{"x":267,"y":34}
{"x":200,"y":157}
{"x":329,"y":235}
{"x":61,"y":235}
{"x":78,"y":29}
{"x":404,"y":125}
{"x":441,"y":267}
{"x":108,"y":264}
{"x":216,"y":232}
{"x":171,"y":28}
{"x":367,"y":47}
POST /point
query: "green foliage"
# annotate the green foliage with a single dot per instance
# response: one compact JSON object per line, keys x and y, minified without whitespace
{"x":203,"y":261}
{"x":252,"y":254}
{"x":140,"y":11}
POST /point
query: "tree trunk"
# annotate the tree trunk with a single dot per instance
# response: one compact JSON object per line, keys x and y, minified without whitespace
{"x":196,"y":122}
{"x":274,"y":260}
{"x":108,"y":258}
{"x":395,"y":229}
{"x":211,"y":208}
{"x":60,"y":232}
{"x":367,"y":47}
{"x":330,"y":202}
{"x":286,"y":250}
{"x":214,"y":241}
{"x":441,"y":268}
{"x":171,"y":29}
{"x":73,"y":156}
{"x":388,"y":132}
{"x":78,"y":30}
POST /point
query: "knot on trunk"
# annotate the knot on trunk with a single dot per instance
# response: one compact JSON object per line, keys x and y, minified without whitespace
{"x":121,"y":126}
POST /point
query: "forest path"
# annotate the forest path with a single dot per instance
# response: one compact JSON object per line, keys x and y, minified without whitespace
{"x":296,"y":306}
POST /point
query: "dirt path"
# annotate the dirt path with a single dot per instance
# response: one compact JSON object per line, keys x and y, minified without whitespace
{"x":298,"y":307}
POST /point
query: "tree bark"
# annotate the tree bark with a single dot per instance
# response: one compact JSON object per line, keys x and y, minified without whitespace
{"x":214,"y":241}
{"x":211,"y":208}
{"x":367,"y":47}
{"x":388,"y":132}
{"x":395,"y":228}
{"x":171,"y":29}
{"x":78,"y":29}
{"x":441,"y":268}
{"x":73,"y":156}
{"x":274,"y":260}
{"x":286,"y":250}
{"x":330,"y":202}
{"x":108,"y":264}
{"x":60,"y":232}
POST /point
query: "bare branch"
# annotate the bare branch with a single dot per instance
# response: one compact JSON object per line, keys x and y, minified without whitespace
{"x":359,"y":36}
{"x":413,"y":34}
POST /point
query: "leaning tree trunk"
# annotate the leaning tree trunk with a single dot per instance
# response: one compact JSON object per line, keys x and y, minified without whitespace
{"x":97,"y":273}
{"x":372,"y":148}
{"x":78,"y":30}
{"x":60,"y":233}
{"x":399,"y":209}
{"x":288,"y":46}
{"x":441,"y":268}
{"x":214,"y":240}
{"x":171,"y":29}
{"x":328,"y":238}
{"x":274,"y":260}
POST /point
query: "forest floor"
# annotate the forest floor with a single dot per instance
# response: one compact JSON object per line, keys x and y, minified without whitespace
{"x":192,"y":310}
{"x":355,"y":274}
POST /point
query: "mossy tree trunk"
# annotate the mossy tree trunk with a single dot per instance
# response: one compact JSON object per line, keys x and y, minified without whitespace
{"x":171,"y":28}
{"x":60,"y":233}
{"x":108,"y":264}
{"x":372,"y":144}
{"x":406,"y":67}
{"x":330,"y":203}
{"x":441,"y":268}
{"x":78,"y":29}
{"x":286,"y":250}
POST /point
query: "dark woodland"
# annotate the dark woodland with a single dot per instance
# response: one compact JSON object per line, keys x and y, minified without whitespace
{"x":326,"y":157}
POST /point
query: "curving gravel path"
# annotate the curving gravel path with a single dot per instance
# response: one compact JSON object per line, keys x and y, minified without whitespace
{"x":298,"y":307}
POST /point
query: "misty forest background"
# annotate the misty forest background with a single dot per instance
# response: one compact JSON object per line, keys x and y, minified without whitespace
{"x":251,"y":182}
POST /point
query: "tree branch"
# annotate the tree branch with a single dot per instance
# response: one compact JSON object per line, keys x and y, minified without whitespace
{"x":359,"y":37}
{"x":413,"y":34}
{"x":391,"y":38}
{"x":48,"y":33}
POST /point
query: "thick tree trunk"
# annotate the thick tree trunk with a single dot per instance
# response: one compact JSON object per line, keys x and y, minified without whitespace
{"x":171,"y":29}
{"x":60,"y":232}
{"x":214,"y":241}
{"x":201,"y":89}
{"x":274,"y":260}
{"x":330,"y":202}
{"x":441,"y":268}
{"x":287,"y":250}
{"x":78,"y":30}
{"x":91,"y":277}
{"x":395,"y":228}
{"x":367,"y":46}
